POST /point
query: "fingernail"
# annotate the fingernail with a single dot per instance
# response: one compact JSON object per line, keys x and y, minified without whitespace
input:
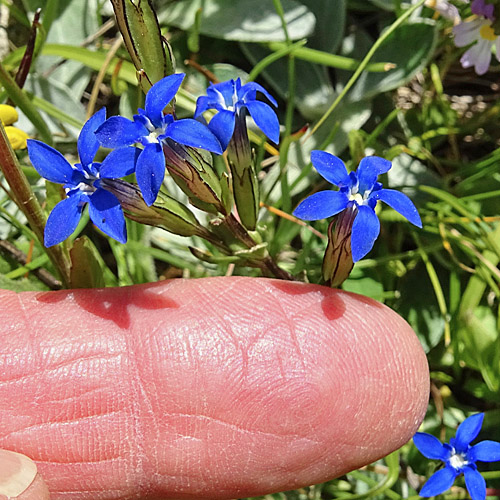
{"x":16,"y":473}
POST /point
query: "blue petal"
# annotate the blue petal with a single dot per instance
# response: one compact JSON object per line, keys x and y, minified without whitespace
{"x":439,"y":482}
{"x":202,"y":104}
{"x":330,"y":168}
{"x":119,"y":163}
{"x":106,"y":213}
{"x":467,"y":431}
{"x":223,"y":91}
{"x":118,"y":131}
{"x":430,"y":446}
{"x":476,"y":485}
{"x":321,"y":205}
{"x":365,"y":230}
{"x":399,"y":202}
{"x":160,"y":94}
{"x":49,"y":163}
{"x":485,"y":451}
{"x":222,"y":126}
{"x":255,"y":87}
{"x":87,"y":140}
{"x":150,"y":171}
{"x":265,"y":118}
{"x":192,"y":133}
{"x":63,"y":219}
{"x":369,"y":169}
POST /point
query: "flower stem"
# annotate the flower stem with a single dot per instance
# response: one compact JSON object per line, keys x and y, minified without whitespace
{"x":267,"y":263}
{"x":364,"y":63}
{"x":24,"y":198}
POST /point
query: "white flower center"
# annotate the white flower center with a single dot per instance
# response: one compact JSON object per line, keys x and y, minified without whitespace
{"x":357,"y":197}
{"x":222,"y":101}
{"x":83,"y":186}
{"x":458,"y":460}
{"x":153,"y":135}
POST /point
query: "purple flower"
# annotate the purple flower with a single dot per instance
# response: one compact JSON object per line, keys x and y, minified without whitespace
{"x":479,"y":33}
{"x":481,"y":8}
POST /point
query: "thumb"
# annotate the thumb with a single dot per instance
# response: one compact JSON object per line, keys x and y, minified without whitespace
{"x":215,"y":388}
{"x":19,"y":478}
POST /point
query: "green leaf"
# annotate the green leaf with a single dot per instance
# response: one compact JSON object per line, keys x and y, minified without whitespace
{"x":87,"y":266}
{"x":141,"y":32}
{"x":21,"y":100}
{"x":313,"y":94}
{"x":480,"y":337}
{"x":241,"y":20}
{"x":330,"y":24}
{"x":21,"y":285}
{"x":410,"y":48}
{"x":365,"y":286}
{"x":419,"y":307}
{"x":58,"y":100}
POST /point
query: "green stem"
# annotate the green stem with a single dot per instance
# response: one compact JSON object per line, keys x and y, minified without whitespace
{"x":282,"y":52}
{"x":267,"y":262}
{"x":365,"y":62}
{"x":25,"y":199}
{"x":324,"y":58}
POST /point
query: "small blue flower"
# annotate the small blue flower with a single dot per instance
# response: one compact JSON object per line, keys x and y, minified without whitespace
{"x":359,"y":191}
{"x":230,"y":99}
{"x":82,"y":185}
{"x":150,"y":127}
{"x":459,"y":457}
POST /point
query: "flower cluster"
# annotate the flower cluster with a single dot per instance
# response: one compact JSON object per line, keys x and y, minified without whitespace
{"x":147,"y":145}
{"x":149,"y":129}
{"x":478,"y":32}
{"x":358,"y":192}
{"x":459,"y":458}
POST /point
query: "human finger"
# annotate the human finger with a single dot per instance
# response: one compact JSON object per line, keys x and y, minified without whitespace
{"x":204,"y":389}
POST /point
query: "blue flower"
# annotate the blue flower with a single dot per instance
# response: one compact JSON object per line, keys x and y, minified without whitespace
{"x":82,"y":185}
{"x":459,"y":457}
{"x":150,"y":127}
{"x":358,"y":191}
{"x":230,"y":99}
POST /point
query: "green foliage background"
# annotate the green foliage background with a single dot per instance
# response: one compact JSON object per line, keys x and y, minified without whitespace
{"x":436,"y":122}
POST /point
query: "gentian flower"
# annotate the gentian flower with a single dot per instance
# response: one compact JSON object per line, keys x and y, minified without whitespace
{"x":150,"y":128}
{"x":82,"y":184}
{"x":230,"y":99}
{"x":359,"y":192}
{"x":459,"y":457}
{"x":479,"y":32}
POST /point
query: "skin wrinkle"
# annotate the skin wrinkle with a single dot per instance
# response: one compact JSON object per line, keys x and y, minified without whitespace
{"x":142,"y":408}
{"x":278,"y":426}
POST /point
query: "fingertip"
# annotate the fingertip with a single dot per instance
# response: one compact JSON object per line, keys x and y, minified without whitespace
{"x":19,"y":478}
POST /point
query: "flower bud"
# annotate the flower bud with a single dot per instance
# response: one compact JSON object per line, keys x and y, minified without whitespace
{"x":166,"y":212}
{"x":245,"y":183}
{"x":337,"y":261}
{"x":192,"y":171}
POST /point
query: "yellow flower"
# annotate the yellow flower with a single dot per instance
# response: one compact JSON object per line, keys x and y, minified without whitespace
{"x":17,"y":137}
